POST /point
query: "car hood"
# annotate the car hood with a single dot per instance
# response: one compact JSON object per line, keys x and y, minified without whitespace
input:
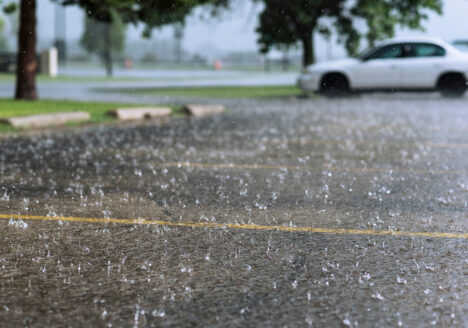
{"x":334,"y":64}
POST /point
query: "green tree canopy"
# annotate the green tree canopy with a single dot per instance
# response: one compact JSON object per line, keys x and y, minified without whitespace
{"x":3,"y":40}
{"x":152,"y":13}
{"x":293,"y":21}
{"x":104,"y":39}
{"x":381,"y":18}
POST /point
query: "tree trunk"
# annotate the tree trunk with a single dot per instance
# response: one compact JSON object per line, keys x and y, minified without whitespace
{"x":108,"y":51}
{"x":26,"y":58}
{"x":308,"y":55}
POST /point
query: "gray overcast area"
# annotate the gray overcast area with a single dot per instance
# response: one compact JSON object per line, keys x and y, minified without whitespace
{"x":235,"y":31}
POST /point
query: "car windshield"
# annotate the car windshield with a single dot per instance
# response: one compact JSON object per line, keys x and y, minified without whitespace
{"x":366,"y":53}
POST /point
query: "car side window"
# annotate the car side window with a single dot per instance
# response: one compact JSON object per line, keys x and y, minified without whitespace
{"x":425,"y":50}
{"x":387,"y":52}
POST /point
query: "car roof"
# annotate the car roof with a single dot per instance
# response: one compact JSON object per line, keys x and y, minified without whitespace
{"x":437,"y":41}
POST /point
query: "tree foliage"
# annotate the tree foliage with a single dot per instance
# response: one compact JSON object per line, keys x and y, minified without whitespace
{"x":104,"y":39}
{"x":9,"y":8}
{"x":293,"y":21}
{"x":383,"y":17}
{"x":152,"y":13}
{"x":3,"y":40}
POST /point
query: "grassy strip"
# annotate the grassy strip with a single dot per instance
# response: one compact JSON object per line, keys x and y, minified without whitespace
{"x":218,"y":92}
{"x":98,"y":110}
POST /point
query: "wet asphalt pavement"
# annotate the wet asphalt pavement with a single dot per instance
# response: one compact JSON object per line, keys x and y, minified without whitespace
{"x":92,"y":90}
{"x":360,"y":168}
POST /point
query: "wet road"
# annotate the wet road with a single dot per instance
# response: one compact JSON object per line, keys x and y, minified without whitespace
{"x":92,"y":90}
{"x":284,"y":213}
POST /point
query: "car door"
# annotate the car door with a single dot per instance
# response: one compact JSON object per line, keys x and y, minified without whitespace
{"x":380,"y":69}
{"x":422,"y":65}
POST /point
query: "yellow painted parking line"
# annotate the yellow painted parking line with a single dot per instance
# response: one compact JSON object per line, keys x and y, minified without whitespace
{"x":335,"y":142}
{"x":308,"y":141}
{"x":232,"y":166}
{"x":330,"y":231}
{"x":446,"y":145}
{"x":302,"y":168}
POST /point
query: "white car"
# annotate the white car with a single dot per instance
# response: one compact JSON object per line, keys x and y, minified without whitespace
{"x":399,"y":64}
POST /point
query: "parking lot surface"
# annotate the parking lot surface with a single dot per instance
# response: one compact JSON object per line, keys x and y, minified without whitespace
{"x":283,"y":212}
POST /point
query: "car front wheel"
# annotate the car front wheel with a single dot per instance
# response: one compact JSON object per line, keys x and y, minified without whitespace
{"x":334,"y":84}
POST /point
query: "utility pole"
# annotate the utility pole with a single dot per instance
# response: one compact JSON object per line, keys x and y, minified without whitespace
{"x":60,"y":26}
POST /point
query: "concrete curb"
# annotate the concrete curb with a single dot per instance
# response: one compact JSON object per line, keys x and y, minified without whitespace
{"x":45,"y":120}
{"x":140,"y":113}
{"x":203,"y":110}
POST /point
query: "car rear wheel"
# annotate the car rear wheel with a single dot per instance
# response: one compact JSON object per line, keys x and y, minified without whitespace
{"x":452,"y":85}
{"x":334,"y":85}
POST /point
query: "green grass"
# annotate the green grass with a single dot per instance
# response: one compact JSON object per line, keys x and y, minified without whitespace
{"x":98,"y":110}
{"x":218,"y":92}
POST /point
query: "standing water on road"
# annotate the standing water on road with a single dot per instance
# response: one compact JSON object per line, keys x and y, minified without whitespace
{"x":233,"y":193}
